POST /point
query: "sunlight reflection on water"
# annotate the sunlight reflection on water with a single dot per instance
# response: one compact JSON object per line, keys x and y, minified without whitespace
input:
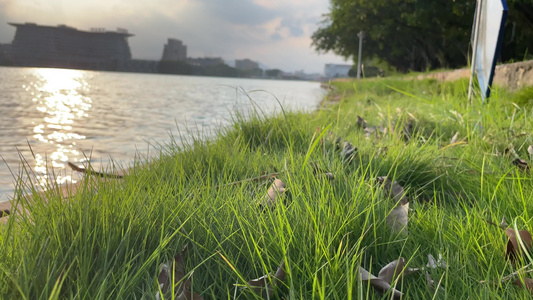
{"x":58,"y":99}
{"x":52,"y":116}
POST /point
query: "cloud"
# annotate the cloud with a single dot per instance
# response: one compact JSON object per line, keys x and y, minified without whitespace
{"x":276,"y":36}
{"x":294,"y":25}
{"x":240,"y":12}
{"x":273,"y":32}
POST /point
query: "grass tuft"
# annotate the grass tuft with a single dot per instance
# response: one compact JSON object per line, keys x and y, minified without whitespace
{"x":107,"y":240}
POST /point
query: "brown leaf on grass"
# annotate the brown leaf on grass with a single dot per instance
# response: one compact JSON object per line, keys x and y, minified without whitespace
{"x":186,"y":293}
{"x":361,"y":122}
{"x":4,"y":212}
{"x":408,"y":130}
{"x":521,"y":164}
{"x":525,"y":282}
{"x":319,"y":171}
{"x":329,"y":176}
{"x":509,"y":151}
{"x":383,"y":129}
{"x":399,"y":218}
{"x":383,"y":282}
{"x":378,"y":283}
{"x":430,"y":282}
{"x":370,"y":131}
{"x":514,"y":248}
{"x":393,"y":190}
{"x":166,"y":278}
{"x":395,"y":269}
{"x":433,"y":264}
{"x":348,"y":150}
{"x":503,"y":223}
{"x":454,"y":138}
{"x":262,"y":285}
{"x":274,"y":193}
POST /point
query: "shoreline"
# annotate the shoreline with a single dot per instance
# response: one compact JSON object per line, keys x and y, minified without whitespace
{"x":67,"y":189}
{"x":115,"y":241}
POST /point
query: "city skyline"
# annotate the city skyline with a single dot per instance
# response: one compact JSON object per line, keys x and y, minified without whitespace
{"x":274,"y":33}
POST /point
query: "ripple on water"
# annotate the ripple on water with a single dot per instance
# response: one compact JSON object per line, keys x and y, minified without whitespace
{"x":80,"y":116}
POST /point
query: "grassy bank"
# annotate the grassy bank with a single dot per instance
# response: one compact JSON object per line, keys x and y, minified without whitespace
{"x":108,"y":240}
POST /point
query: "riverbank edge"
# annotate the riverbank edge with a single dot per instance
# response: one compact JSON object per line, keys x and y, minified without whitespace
{"x":65,"y":190}
{"x":512,"y":76}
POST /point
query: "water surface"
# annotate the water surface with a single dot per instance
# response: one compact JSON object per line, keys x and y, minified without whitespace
{"x":51,"y":116}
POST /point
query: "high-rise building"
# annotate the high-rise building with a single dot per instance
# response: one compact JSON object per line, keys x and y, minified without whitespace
{"x":174,"y":50}
{"x":67,"y":47}
{"x":5,"y":54}
{"x":205,"y":61}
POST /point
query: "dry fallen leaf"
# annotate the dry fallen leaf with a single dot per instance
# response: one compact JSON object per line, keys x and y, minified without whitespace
{"x":383,"y":282}
{"x":408,"y":130}
{"x":262,"y":285}
{"x":329,"y":176}
{"x":393,"y":189}
{"x":430,"y":282}
{"x":273,"y":194}
{"x":361,"y":122}
{"x":433,"y":264}
{"x":186,"y":293}
{"x":4,"y":212}
{"x":521,"y":164}
{"x":348,"y":150}
{"x":454,"y":138}
{"x":166,"y":279}
{"x":319,"y":171}
{"x":398,"y":218}
{"x":510,"y":151}
{"x":530,"y":149}
{"x":514,"y":248}
{"x":378,"y":283}
{"x":503,"y":223}
{"x":370,"y":130}
{"x":525,"y":282}
{"x":395,"y":269}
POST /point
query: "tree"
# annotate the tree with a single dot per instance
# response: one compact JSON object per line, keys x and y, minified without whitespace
{"x":273,"y":73}
{"x":408,"y":35}
{"x":517,"y":44}
{"x":174,"y":67}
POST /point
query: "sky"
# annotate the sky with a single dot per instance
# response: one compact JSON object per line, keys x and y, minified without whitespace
{"x":276,"y":33}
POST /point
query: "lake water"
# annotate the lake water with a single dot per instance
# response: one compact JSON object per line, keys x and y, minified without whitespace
{"x":51,"y":116}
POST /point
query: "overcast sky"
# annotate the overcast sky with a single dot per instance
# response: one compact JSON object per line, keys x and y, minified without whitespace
{"x":276,"y":33}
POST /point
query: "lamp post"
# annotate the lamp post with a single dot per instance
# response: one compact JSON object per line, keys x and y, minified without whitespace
{"x":361,"y":35}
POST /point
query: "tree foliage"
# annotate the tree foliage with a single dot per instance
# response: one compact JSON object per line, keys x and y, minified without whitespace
{"x":414,"y":34}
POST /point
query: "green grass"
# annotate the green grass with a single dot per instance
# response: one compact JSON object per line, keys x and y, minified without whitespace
{"x":107,"y":241}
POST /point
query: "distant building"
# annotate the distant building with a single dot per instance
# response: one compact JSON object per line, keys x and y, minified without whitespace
{"x":246,"y":64}
{"x":137,"y":65}
{"x":5,"y":54}
{"x":174,"y":50}
{"x":335,"y":71}
{"x":205,"y":61}
{"x":66,"y":47}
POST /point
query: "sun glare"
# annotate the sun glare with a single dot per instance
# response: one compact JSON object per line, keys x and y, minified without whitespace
{"x":58,"y":100}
